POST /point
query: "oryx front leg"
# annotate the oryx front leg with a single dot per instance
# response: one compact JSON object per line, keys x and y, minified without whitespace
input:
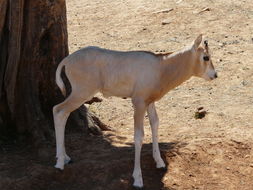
{"x":154,"y":123}
{"x":139,"y":112}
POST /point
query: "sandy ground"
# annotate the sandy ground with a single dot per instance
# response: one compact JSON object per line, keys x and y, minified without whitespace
{"x":214,"y":152}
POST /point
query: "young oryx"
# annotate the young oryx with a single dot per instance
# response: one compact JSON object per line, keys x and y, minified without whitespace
{"x":142,"y":76}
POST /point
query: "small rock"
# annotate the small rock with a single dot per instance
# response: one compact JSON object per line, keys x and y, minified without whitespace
{"x":230,"y":157}
{"x":245,"y":68}
{"x":166,"y":22}
{"x":200,"y":113}
{"x":244,"y":83}
{"x":200,"y":108}
{"x":223,"y":44}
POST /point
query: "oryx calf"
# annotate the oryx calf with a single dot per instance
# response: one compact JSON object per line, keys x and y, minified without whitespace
{"x":142,"y":76}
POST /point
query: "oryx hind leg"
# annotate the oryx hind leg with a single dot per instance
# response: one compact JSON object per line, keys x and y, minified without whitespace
{"x":154,"y":123}
{"x":61,"y":113}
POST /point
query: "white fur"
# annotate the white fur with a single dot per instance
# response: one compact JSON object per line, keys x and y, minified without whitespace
{"x":142,"y":76}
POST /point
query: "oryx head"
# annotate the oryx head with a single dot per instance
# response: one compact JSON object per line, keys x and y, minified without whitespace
{"x":203,"y":63}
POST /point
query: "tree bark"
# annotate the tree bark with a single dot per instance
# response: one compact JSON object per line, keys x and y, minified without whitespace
{"x":33,"y":41}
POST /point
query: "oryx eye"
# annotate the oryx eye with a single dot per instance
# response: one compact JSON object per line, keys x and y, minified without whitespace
{"x":206,"y":58}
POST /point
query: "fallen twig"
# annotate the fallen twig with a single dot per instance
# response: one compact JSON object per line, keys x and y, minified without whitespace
{"x":163,"y":11}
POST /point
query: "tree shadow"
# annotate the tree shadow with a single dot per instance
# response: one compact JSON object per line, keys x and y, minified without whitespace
{"x":97,"y":165}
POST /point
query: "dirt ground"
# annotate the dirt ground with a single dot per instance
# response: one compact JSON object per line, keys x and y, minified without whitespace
{"x":215,"y":152}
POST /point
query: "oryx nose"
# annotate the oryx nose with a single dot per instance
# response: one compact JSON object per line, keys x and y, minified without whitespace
{"x":215,"y":75}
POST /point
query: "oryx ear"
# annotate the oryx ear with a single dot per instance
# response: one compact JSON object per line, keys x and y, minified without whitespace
{"x":197,"y":42}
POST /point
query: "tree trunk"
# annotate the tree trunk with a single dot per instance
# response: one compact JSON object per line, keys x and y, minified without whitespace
{"x":33,"y":41}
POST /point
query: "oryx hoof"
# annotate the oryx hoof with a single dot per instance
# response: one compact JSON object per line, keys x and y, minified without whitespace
{"x":138,"y":184}
{"x":59,"y":171}
{"x":163,"y":169}
{"x":59,"y":167}
{"x":138,"y":188}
